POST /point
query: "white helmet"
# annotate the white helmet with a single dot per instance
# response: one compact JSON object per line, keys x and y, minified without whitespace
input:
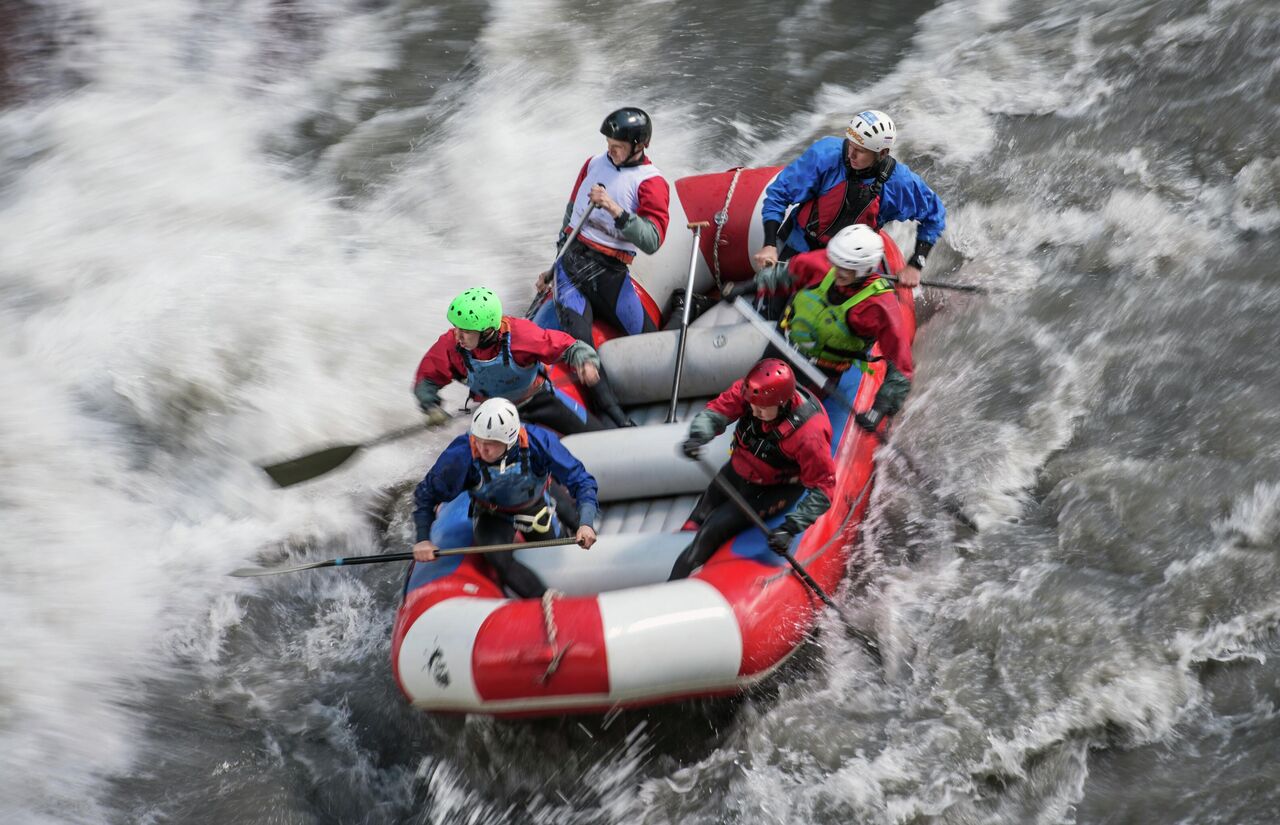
{"x":872,"y":130}
{"x":857,"y":247}
{"x":496,"y":420}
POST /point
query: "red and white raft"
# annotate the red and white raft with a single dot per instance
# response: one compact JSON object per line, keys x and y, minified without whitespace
{"x":617,"y":634}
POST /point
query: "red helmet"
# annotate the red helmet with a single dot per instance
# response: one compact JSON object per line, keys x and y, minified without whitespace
{"x":770,"y":383}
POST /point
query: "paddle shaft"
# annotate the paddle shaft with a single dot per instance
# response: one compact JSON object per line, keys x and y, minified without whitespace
{"x":981,"y":290}
{"x":309,"y":466}
{"x":697,"y":227}
{"x":387,"y":557}
{"x":555,"y":289}
{"x":742,"y":504}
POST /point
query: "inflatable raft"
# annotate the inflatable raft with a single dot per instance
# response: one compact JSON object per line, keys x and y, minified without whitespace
{"x":613,"y":632}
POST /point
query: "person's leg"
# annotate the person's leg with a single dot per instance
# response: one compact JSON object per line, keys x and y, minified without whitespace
{"x":550,"y":408}
{"x":720,"y":525}
{"x":497,"y":529}
{"x":579,"y":276}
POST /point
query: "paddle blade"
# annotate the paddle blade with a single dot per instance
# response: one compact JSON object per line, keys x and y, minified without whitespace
{"x":250,"y":572}
{"x":307,"y":467}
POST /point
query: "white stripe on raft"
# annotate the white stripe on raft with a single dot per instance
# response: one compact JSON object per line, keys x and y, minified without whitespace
{"x":435,"y":656}
{"x":669,"y":638}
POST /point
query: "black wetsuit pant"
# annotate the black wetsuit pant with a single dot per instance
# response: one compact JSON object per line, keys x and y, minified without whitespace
{"x":590,"y":283}
{"x":547,"y":408}
{"x":490,"y":527}
{"x":720,"y":519}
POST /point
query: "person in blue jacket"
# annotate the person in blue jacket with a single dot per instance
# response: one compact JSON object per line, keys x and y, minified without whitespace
{"x":839,"y":182}
{"x":507,"y":469}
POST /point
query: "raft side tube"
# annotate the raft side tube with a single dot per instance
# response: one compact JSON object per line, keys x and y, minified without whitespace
{"x":645,"y":462}
{"x":641,"y":367}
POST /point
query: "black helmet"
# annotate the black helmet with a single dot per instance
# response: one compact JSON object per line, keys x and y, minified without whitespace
{"x":628,"y":123}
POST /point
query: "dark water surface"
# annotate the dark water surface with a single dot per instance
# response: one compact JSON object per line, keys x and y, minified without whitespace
{"x":228,"y":231}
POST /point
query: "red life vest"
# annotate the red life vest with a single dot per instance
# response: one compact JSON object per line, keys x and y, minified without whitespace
{"x":766,"y":445}
{"x":843,"y":205}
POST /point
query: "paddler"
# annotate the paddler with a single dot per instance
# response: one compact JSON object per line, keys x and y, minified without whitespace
{"x":839,"y":182}
{"x":782,"y":453}
{"x":507,"y":468}
{"x":592,"y":278}
{"x":842,"y":305}
{"x":500,"y":356}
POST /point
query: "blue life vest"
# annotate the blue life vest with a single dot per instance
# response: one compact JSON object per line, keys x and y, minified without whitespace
{"x":510,"y":486}
{"x":499,"y":376}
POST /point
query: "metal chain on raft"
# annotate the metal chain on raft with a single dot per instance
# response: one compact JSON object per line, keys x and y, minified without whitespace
{"x":721,"y":218}
{"x":549,"y":622}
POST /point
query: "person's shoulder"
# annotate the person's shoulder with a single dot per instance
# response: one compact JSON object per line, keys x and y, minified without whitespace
{"x":541,"y":436}
{"x":455,"y":451}
{"x":904,"y":175}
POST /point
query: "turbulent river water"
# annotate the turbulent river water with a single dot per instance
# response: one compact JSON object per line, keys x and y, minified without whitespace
{"x":229,"y":229}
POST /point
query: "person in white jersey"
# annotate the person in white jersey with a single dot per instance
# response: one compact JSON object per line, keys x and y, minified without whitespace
{"x":632,"y":212}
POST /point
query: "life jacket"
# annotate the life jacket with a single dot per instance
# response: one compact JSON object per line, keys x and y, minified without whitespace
{"x":750,"y":435}
{"x":624,"y":187}
{"x":820,"y":329}
{"x":511,"y":487}
{"x":843,"y":205}
{"x":500,"y":376}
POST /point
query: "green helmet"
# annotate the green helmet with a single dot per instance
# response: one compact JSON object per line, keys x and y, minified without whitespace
{"x":477,"y":309}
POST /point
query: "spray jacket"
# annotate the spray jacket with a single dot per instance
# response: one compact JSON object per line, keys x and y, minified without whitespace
{"x":795,"y":444}
{"x":506,"y":367}
{"x":458,"y":469}
{"x":903,"y":196}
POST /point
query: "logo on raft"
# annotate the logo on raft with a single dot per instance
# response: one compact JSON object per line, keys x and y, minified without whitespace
{"x":439,"y":670}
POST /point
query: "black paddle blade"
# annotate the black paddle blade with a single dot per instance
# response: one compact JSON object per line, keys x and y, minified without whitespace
{"x":307,"y":467}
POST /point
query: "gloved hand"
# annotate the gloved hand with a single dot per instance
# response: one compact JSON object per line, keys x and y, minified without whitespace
{"x":428,"y":395}
{"x":692,"y":448}
{"x":435,"y":415}
{"x":869,"y":420}
{"x":780,"y":541}
{"x":773,"y":278}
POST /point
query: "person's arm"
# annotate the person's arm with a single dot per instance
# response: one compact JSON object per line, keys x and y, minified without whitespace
{"x":530,"y":343}
{"x":436,"y":370}
{"x":565,"y":468}
{"x":647,"y":226}
{"x":812,"y":451}
{"x":796,"y":183}
{"x":906,"y":197}
{"x":714,"y":419}
{"x":443,"y":482}
{"x":885,"y":319}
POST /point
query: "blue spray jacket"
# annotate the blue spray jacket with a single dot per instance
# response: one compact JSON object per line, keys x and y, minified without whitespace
{"x":905,"y":196}
{"x":457,"y":470}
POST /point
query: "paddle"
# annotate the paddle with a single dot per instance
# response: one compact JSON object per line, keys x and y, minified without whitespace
{"x":981,"y":290}
{"x":311,"y":465}
{"x":564,"y":247}
{"x":245,"y":572}
{"x":697,"y":227}
{"x":829,"y":388}
{"x":873,"y":648}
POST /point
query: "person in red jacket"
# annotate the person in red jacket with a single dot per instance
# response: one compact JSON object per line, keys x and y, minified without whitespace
{"x":842,"y":305}
{"x":782,"y":451}
{"x":499,"y":356}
